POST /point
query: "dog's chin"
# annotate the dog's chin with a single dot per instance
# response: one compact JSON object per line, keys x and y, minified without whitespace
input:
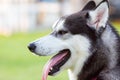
{"x":56,"y":62}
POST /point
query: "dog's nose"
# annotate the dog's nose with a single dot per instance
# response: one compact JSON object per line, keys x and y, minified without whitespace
{"x":32,"y":47}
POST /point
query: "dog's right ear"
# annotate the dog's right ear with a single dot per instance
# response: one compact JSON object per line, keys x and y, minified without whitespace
{"x":89,"y":6}
{"x":98,"y":17}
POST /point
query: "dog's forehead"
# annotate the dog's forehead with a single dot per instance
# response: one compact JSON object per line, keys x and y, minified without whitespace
{"x":75,"y":22}
{"x":78,"y":17}
{"x":59,"y":24}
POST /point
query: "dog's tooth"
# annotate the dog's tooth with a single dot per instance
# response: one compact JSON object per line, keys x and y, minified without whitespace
{"x":51,"y":68}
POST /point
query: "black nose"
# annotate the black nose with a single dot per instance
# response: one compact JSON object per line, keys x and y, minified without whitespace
{"x":32,"y":47}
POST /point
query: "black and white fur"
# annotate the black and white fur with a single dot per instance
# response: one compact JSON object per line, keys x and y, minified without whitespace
{"x":93,"y":42}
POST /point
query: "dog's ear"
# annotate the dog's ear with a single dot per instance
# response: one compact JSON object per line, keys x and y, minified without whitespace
{"x":99,"y":16}
{"x":89,"y":6}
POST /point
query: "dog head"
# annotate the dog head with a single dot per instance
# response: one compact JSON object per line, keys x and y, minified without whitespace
{"x":72,"y":38}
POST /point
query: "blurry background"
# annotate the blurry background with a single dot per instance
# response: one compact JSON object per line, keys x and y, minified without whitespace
{"x":22,"y":21}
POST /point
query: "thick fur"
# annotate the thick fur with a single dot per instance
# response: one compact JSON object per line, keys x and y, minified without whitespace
{"x":94,"y":45}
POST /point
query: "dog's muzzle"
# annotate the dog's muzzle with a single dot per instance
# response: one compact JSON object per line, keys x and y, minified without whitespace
{"x":47,"y":45}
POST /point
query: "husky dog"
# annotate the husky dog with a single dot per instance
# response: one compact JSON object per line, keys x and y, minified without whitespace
{"x":84,"y":43}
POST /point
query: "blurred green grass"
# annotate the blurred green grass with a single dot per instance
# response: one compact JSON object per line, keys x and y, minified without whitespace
{"x":18,"y":63}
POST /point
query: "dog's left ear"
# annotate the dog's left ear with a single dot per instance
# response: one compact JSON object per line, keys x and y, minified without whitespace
{"x":89,"y":6}
{"x":98,"y":17}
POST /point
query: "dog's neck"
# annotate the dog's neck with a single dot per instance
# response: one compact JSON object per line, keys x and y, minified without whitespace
{"x":76,"y":69}
{"x":75,"y":72}
{"x":72,"y":76}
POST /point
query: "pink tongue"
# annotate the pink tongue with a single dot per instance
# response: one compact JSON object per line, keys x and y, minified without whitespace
{"x":51,"y":63}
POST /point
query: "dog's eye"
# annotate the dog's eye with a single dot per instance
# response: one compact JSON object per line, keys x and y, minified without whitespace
{"x":62,"y":32}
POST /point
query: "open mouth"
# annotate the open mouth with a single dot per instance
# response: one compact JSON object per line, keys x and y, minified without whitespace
{"x":55,"y":63}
